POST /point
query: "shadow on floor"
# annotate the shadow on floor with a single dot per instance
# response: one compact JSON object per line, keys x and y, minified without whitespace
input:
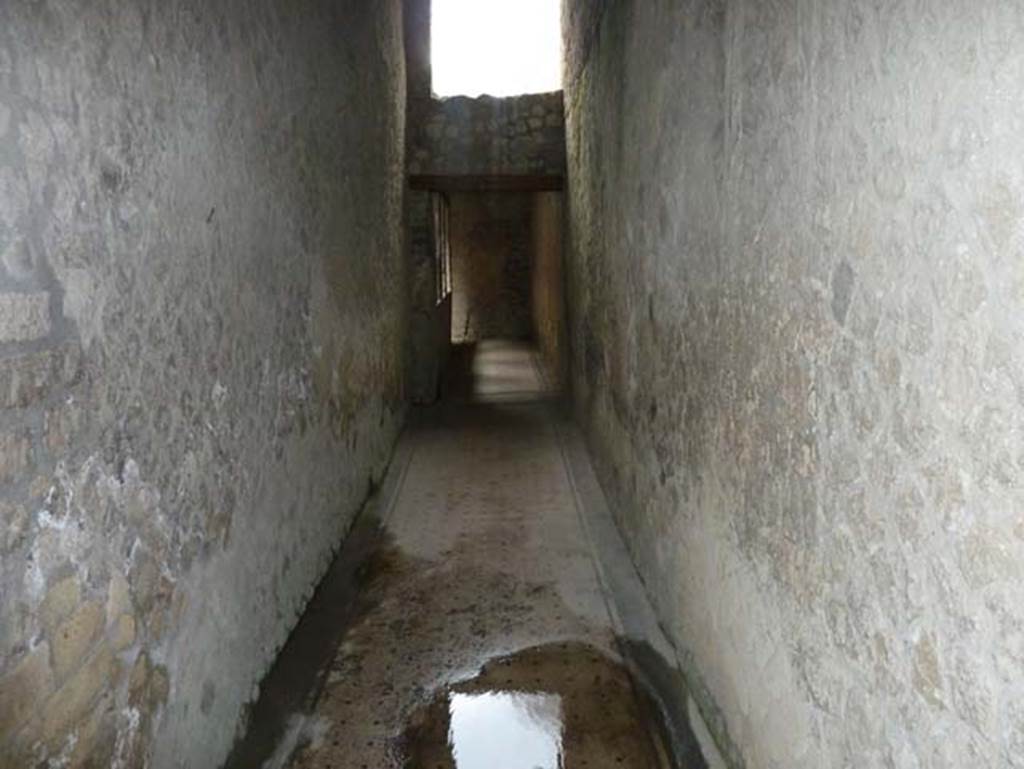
{"x":298,"y":674}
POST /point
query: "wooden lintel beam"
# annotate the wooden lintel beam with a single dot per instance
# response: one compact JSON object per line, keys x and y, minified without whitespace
{"x":487,"y":182}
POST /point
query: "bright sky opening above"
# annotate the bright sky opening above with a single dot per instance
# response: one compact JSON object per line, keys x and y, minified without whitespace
{"x":497,"y":47}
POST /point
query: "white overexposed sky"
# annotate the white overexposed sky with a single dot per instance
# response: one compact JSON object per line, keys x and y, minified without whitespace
{"x":497,"y":47}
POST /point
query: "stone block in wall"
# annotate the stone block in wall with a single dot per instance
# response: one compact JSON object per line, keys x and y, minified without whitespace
{"x":28,"y":378}
{"x":122,"y":634}
{"x":24,"y":317}
{"x":14,"y":455}
{"x":96,"y":740}
{"x":61,"y":423}
{"x":30,"y":680}
{"x":61,"y":600}
{"x":15,"y":519}
{"x":75,"y":637}
{"x":73,"y":702}
{"x":147,"y":682}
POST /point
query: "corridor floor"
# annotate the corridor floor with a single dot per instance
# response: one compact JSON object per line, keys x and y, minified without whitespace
{"x":480,"y":635}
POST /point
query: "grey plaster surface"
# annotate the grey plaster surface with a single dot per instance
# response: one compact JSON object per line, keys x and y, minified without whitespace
{"x":794,"y":286}
{"x":201,"y":323}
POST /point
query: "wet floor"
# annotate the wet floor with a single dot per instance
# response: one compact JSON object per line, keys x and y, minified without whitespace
{"x":468,"y":628}
{"x":549,"y":707}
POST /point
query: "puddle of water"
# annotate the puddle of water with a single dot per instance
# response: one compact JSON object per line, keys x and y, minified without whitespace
{"x":524,"y":729}
{"x":560,"y":706}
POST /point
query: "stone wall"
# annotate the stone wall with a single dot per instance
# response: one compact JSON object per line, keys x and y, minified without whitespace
{"x":487,"y":135}
{"x":201,"y":319}
{"x":490,"y":257}
{"x":548,"y":285}
{"x":796,"y":277}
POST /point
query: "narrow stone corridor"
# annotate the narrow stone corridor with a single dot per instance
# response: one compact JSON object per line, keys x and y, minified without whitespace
{"x":480,"y":586}
{"x":449,"y":384}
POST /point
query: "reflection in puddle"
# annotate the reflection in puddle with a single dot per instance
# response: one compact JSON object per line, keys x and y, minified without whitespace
{"x":560,"y":706}
{"x":521,"y":731}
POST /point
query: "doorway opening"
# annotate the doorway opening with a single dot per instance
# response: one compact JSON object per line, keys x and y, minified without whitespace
{"x":505,"y":252}
{"x":497,"y":250}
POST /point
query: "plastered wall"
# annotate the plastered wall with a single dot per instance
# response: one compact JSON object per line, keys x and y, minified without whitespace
{"x":201,"y":293}
{"x":491,"y":254}
{"x":796,"y":321}
{"x":547,"y":277}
